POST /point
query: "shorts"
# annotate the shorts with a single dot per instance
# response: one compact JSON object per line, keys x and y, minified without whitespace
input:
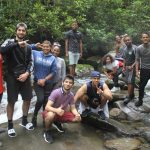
{"x":130,"y":75}
{"x":67,"y":117}
{"x":14,"y":87}
{"x":73,"y":58}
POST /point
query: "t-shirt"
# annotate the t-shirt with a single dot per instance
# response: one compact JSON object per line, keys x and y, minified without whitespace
{"x":110,"y":66}
{"x":60,"y":98}
{"x":74,"y":38}
{"x":143,"y":56}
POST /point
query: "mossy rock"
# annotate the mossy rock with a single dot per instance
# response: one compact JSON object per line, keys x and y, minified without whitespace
{"x":83,"y":70}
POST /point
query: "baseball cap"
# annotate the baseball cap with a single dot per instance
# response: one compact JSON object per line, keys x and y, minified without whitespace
{"x":95,"y":74}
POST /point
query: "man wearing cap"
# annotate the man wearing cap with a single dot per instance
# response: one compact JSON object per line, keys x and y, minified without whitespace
{"x":94,"y":95}
{"x":17,"y":54}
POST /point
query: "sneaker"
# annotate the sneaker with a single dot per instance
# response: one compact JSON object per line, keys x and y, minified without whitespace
{"x":101,"y":115}
{"x":48,"y":137}
{"x":126,"y":100}
{"x":139,"y":103}
{"x":86,"y":112}
{"x":34,"y":122}
{"x":58,"y":126}
{"x":115,"y":89}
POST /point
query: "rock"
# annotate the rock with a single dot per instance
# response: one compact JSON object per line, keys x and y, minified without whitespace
{"x":123,"y":144}
{"x":116,"y":113}
{"x":83,"y":70}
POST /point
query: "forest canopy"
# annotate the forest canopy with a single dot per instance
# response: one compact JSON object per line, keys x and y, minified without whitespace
{"x":99,"y":20}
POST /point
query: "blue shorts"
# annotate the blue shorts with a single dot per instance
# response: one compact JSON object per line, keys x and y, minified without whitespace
{"x":73,"y":58}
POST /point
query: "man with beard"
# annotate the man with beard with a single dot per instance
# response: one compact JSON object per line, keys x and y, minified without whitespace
{"x":18,"y":61}
{"x":73,"y":47}
{"x":143,"y":63}
{"x":60,"y":108}
{"x":129,"y":67}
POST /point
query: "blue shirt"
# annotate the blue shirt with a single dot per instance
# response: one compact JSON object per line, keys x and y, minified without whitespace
{"x":43,"y":65}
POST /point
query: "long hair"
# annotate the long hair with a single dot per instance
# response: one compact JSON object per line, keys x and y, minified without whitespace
{"x":105,"y":57}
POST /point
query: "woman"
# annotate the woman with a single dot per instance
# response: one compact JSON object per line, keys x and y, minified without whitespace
{"x":112,"y":69}
{"x":61,"y":66}
{"x":44,"y":64}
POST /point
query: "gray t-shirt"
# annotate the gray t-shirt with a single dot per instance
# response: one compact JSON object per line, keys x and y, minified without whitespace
{"x":129,"y":55}
{"x":143,"y":56}
{"x":74,"y":38}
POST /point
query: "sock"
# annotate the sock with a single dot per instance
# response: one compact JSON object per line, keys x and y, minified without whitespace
{"x":10,"y":124}
{"x":24,"y":120}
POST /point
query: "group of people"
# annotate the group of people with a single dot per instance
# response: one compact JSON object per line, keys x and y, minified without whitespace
{"x":53,"y":87}
{"x":132,"y":61}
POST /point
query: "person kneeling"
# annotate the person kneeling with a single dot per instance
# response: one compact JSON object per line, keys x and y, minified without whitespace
{"x":56,"y":110}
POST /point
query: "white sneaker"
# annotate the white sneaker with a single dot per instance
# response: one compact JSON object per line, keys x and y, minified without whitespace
{"x":115,"y":89}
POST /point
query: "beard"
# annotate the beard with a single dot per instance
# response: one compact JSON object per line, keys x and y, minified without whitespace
{"x":20,"y":37}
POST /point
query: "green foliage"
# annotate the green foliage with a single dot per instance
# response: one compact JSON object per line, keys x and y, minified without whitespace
{"x":99,"y":20}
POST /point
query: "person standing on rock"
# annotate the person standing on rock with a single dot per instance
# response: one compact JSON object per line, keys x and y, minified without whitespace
{"x":143,"y":63}
{"x":45,"y":69}
{"x":60,"y":108}
{"x":129,"y":67}
{"x":73,"y":47}
{"x":1,"y":84}
{"x":94,"y":95}
{"x":18,"y":63}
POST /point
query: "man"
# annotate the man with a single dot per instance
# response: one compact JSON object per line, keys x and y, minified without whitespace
{"x":129,"y":67}
{"x":143,"y":63}
{"x":73,"y":47}
{"x":94,"y":95}
{"x":18,"y":62}
{"x":60,"y":108}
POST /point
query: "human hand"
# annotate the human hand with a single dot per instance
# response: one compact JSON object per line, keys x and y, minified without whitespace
{"x":41,"y":82}
{"x":77,"y":117}
{"x":60,"y":111}
{"x":23,"y":77}
{"x":23,"y":43}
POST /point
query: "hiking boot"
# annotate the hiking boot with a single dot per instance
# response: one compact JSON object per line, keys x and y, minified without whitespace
{"x":48,"y":137}
{"x":101,"y":115}
{"x":58,"y":126}
{"x":34,"y":122}
{"x":139,"y":103}
{"x":86,"y":112}
{"x":127,"y":100}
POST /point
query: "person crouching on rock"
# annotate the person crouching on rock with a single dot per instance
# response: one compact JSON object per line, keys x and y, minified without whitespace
{"x":94,"y":95}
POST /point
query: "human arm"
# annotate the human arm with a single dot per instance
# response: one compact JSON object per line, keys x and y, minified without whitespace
{"x":75,"y":112}
{"x":66,"y":47}
{"x":105,"y":92}
{"x":49,"y":108}
{"x":80,"y":92}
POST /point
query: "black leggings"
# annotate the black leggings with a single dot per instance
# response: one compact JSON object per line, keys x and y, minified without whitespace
{"x":1,"y":95}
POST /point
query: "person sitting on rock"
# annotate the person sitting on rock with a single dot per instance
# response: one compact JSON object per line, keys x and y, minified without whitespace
{"x":94,"y":95}
{"x":112,"y":69}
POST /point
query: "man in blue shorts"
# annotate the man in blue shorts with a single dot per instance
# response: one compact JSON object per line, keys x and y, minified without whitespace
{"x":73,"y":47}
{"x":17,"y":55}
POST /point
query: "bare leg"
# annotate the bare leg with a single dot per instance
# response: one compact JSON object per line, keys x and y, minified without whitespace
{"x":10,"y":110}
{"x":49,"y":120}
{"x":25,"y":107}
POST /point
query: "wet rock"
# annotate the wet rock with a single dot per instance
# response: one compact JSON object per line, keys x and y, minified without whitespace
{"x":116,"y":113}
{"x":123,"y":144}
{"x":2,"y":130}
{"x":110,"y":125}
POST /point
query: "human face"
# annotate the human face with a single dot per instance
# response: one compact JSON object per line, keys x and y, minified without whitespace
{"x":95,"y":81}
{"x":21,"y":32}
{"x":46,"y":48}
{"x":108,"y":60}
{"x":128,"y":41}
{"x":67,"y":84}
{"x":118,"y":38}
{"x":145,"y":38}
{"x":56,"y":51}
{"x":74,"y":26}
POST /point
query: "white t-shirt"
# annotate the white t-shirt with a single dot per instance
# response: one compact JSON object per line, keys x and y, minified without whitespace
{"x":115,"y":63}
